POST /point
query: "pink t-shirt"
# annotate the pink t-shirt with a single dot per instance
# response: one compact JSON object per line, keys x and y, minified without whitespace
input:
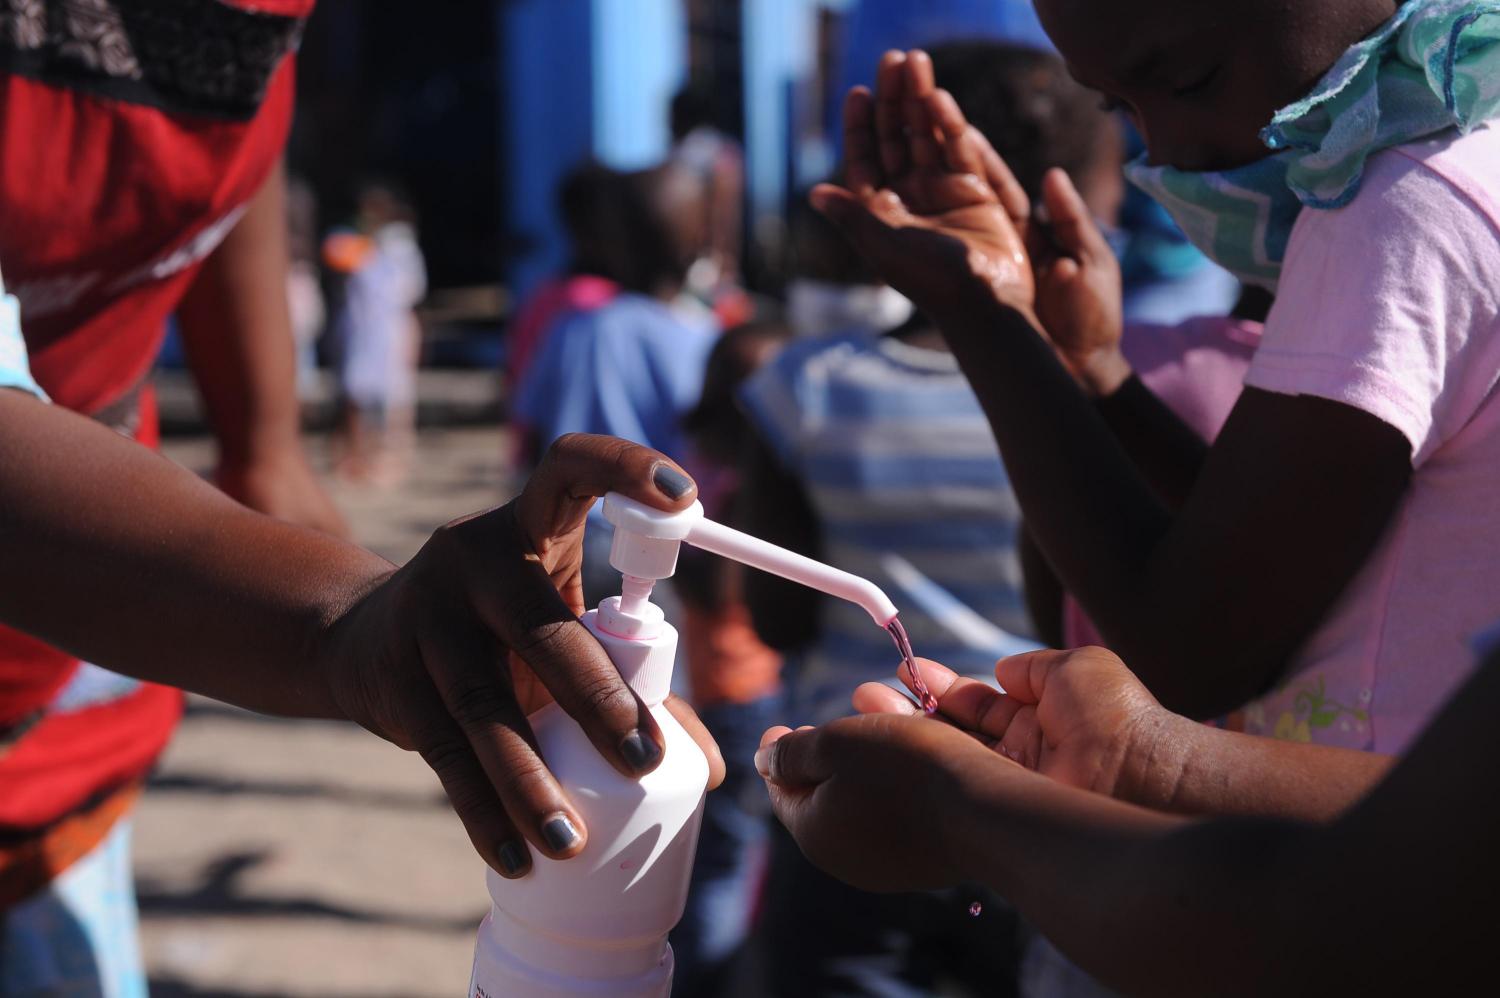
{"x":1392,"y":305}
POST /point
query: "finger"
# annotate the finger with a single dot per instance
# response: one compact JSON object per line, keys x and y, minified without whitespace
{"x":862,"y":167}
{"x":923,"y":146}
{"x":922,"y":142}
{"x":494,"y":836}
{"x":792,"y":759}
{"x":980,"y":709}
{"x":580,"y":467}
{"x":1022,"y":741}
{"x":1024,"y":676}
{"x":890,"y":119}
{"x":1073,"y":225}
{"x":1064,"y":272}
{"x":694,"y":726}
{"x":963,"y":146}
{"x":858,"y":219}
{"x":1003,"y":182}
{"x":938,"y":678}
{"x":878,"y":698}
{"x":967,"y":703}
{"x":921,"y":78}
{"x":470,"y":680}
{"x":773,"y":734}
{"x":535,"y":623}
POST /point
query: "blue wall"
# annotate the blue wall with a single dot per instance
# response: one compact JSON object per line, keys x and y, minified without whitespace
{"x":579,"y":79}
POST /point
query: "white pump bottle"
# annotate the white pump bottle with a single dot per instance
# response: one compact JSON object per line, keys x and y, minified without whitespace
{"x":597,"y":924}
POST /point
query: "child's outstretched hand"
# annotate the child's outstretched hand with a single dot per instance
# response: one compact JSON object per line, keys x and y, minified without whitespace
{"x":1079,"y":296}
{"x":1079,"y":717}
{"x":881,"y":801}
{"x":887,"y":801}
{"x":929,"y":203}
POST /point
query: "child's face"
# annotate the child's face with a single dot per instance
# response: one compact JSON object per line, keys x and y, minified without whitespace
{"x":1201,"y":78}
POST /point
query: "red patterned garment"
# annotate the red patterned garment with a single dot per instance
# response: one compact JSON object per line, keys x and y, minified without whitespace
{"x":133,"y":133}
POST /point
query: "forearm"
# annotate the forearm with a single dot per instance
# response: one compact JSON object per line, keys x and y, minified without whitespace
{"x":1210,"y":602}
{"x":237,"y":332}
{"x":1185,"y":767}
{"x":1044,"y":593}
{"x":1156,"y":904}
{"x":119,"y":556}
{"x":1166,"y":451}
{"x":1086,"y":505}
{"x":1150,"y":904}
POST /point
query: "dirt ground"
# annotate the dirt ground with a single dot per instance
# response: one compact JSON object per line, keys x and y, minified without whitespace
{"x":298,"y":858}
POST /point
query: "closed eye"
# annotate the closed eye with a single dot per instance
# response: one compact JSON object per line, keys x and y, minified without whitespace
{"x":1200,"y":85}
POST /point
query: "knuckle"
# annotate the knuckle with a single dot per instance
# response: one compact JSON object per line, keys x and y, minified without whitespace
{"x":477,"y":704}
{"x":603,"y":696}
{"x":527,"y":783}
{"x":538,"y":624}
{"x":446,"y":757}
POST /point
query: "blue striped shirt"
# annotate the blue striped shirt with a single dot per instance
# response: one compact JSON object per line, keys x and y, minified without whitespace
{"x":901,"y":467}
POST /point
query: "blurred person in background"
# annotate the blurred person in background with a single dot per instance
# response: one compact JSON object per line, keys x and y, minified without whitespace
{"x":831,"y":290}
{"x":590,"y":204}
{"x":703,"y":148}
{"x":380,"y":339}
{"x":634,"y":366}
{"x":304,"y":285}
{"x":734,"y":677}
{"x":876,"y":456}
{"x":140,"y":178}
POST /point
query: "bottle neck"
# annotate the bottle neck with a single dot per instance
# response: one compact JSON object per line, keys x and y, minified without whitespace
{"x":635,"y":596}
{"x":645,"y":663}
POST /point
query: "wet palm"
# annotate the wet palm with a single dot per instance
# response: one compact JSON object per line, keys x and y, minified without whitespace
{"x":928,"y":202}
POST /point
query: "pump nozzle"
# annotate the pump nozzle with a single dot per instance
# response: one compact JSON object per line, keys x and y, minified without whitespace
{"x":647,"y":541}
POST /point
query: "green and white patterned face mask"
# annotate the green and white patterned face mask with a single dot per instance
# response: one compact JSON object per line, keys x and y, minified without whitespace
{"x":1435,"y":66}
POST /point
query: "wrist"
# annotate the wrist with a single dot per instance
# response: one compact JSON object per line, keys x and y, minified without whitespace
{"x":348,"y":635}
{"x":977,"y":312}
{"x":1156,"y":758}
{"x":1104,"y":372}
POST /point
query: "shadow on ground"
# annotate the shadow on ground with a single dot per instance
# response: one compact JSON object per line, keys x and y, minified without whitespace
{"x":220,"y":893}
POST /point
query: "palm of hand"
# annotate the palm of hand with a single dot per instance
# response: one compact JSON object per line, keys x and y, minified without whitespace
{"x":928,"y":201}
{"x":1080,"y":307}
{"x":1079,"y":728}
{"x":979,"y":239}
{"x":1081,"y":313}
{"x":1072,"y":716}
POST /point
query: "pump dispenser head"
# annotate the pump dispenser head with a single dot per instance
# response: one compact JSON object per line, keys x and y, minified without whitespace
{"x":647,"y":541}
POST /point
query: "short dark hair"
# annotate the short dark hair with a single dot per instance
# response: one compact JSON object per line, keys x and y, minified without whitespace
{"x":1023,"y":100}
{"x":618,"y":229}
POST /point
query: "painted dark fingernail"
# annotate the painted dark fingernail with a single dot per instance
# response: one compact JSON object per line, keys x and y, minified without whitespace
{"x":514,"y":859}
{"x":560,"y":833}
{"x":673,"y":483}
{"x":640,"y":752}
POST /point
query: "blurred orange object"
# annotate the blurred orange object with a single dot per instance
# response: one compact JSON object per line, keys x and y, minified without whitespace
{"x":345,"y":251}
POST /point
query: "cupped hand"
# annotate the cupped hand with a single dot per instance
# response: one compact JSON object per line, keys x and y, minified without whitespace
{"x":1079,"y":717}
{"x":881,"y":801}
{"x":448,"y":655}
{"x":928,"y":202}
